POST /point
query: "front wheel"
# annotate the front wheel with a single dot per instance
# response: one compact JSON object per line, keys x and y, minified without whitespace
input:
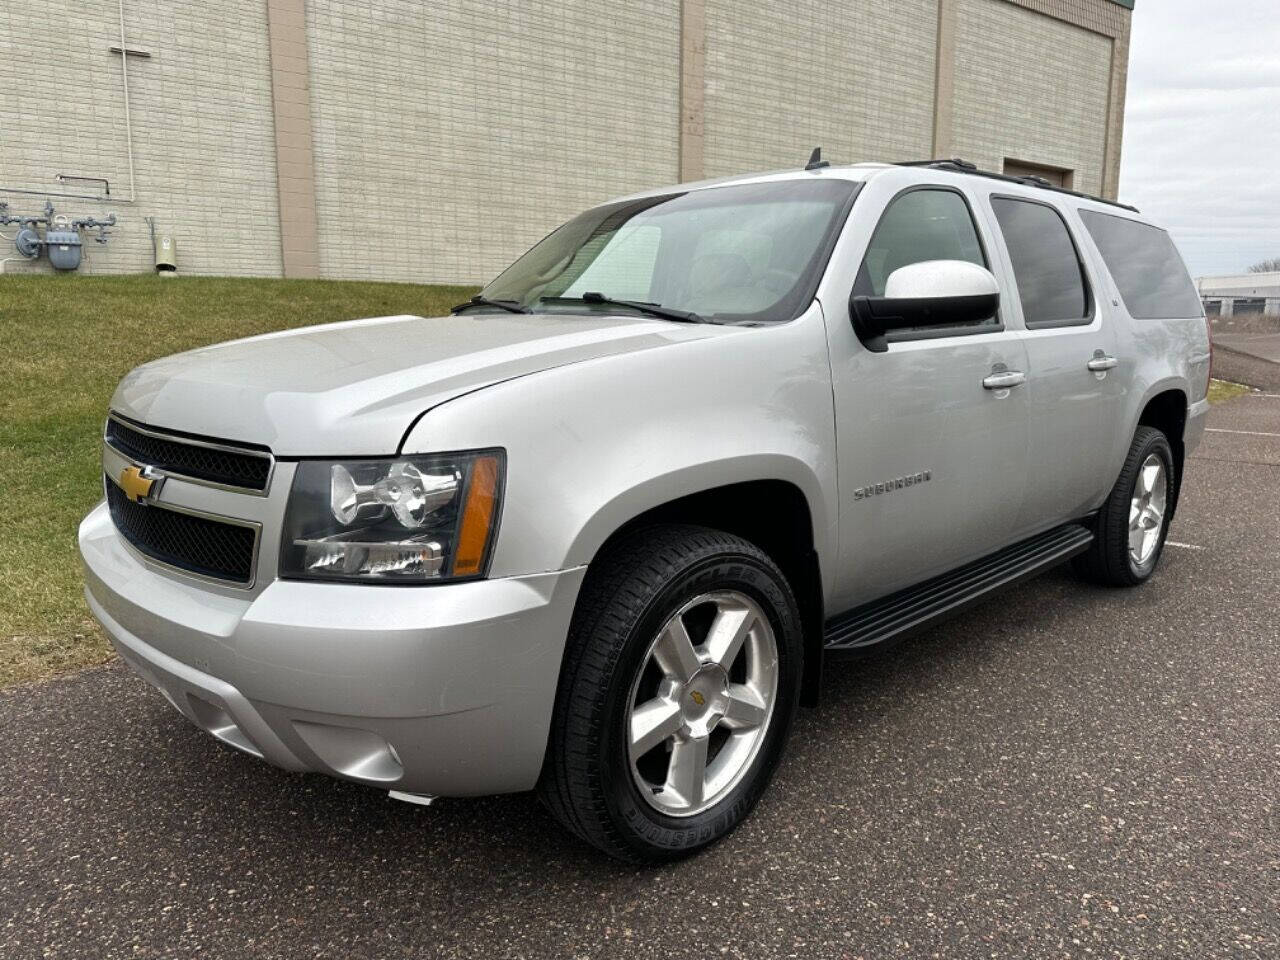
{"x":680,"y":681}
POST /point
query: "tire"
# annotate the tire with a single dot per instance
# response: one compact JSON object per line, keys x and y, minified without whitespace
{"x":620,"y":640}
{"x":1111,"y":560}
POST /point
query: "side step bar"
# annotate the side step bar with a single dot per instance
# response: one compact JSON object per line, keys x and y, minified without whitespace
{"x":901,"y":614}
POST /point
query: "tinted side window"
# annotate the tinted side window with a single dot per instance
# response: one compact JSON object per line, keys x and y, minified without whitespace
{"x":1142,"y":259}
{"x":917,"y":226}
{"x":1051,"y":283}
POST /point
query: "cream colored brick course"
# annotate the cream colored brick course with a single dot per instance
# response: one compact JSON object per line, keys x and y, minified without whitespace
{"x":451,"y":136}
{"x":1030,"y":88}
{"x":204,"y":148}
{"x":784,"y":76}
{"x":435,"y":142}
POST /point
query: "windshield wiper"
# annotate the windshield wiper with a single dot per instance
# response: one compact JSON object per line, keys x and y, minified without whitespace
{"x":511,"y":306}
{"x":653,"y":309}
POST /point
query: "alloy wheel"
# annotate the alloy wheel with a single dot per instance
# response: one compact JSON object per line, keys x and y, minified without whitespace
{"x":1146,"y":510}
{"x":700,"y":706}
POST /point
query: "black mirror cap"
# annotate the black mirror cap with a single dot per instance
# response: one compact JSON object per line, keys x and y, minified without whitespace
{"x":873,"y":317}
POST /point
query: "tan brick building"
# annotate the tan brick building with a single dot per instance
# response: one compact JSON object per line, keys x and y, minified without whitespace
{"x":401,"y":140}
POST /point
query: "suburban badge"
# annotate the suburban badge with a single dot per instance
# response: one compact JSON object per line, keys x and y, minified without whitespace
{"x":897,"y":483}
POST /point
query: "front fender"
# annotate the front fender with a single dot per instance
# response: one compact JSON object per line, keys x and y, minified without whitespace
{"x":594,"y":444}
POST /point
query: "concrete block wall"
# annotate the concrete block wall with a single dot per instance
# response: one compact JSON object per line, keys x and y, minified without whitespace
{"x":203,"y":138}
{"x":783,"y":76}
{"x":451,"y":136}
{"x":1030,"y":88}
{"x":397,"y":140}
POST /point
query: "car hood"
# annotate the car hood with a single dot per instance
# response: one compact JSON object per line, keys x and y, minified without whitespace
{"x":354,"y":388}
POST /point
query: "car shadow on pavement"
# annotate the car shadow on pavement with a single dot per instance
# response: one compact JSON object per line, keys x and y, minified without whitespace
{"x":205,"y":791}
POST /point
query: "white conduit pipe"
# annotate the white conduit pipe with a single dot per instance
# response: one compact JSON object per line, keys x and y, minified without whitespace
{"x":124,"y":77}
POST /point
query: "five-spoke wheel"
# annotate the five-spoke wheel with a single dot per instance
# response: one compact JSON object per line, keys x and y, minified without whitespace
{"x":701,"y":702}
{"x":1146,"y":509}
{"x":678,"y":688}
{"x":1130,"y":528}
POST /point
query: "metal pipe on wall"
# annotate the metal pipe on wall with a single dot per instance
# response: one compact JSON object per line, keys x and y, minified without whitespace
{"x":65,"y":196}
{"x":124,"y":78}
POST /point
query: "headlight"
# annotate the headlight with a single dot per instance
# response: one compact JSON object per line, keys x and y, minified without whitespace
{"x":408,"y":520}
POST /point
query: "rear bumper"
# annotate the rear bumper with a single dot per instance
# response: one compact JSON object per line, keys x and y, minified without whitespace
{"x":445,"y":690}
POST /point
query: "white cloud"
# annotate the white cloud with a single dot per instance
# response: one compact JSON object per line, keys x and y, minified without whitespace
{"x":1202,"y":128}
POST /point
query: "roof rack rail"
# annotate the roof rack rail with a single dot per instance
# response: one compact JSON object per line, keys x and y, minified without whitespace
{"x":956,"y":165}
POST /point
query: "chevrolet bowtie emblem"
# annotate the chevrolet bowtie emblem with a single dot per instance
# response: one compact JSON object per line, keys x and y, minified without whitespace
{"x":138,"y":485}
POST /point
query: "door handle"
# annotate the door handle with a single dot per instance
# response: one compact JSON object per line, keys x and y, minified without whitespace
{"x":1098,"y":364}
{"x":1004,"y":380}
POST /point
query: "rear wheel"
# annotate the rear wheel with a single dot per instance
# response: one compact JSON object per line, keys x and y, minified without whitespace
{"x":680,"y":681}
{"x":1130,"y":530}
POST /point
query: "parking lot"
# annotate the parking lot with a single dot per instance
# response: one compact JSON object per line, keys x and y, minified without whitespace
{"x":1066,"y":771}
{"x":1248,"y":350}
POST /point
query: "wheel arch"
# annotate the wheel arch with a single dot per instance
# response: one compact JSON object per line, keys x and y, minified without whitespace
{"x":1165,"y":409}
{"x":776,"y":514}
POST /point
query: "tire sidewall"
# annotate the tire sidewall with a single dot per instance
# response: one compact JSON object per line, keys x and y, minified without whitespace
{"x":1157,"y":444}
{"x":660,"y":833}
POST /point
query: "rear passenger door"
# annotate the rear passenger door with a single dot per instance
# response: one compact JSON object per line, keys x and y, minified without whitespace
{"x":1074,"y":377}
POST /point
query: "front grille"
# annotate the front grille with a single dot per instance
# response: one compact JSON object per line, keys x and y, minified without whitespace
{"x":196,"y":544}
{"x":249,"y":470}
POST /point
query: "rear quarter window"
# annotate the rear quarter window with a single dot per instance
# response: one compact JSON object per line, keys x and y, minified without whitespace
{"x":1149,"y":273}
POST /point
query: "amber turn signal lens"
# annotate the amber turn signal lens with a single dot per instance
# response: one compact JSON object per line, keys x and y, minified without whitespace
{"x":477,"y":517}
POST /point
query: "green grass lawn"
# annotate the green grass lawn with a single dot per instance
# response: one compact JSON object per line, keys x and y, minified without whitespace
{"x":1220,"y":390}
{"x":66,"y":341}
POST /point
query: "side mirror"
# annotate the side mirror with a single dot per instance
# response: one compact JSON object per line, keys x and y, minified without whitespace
{"x":932,"y":293}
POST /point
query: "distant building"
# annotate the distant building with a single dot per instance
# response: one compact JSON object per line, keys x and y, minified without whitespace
{"x":400,"y":140}
{"x":1241,"y":295}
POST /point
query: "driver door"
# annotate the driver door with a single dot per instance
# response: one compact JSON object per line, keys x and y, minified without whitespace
{"x":931,"y":462}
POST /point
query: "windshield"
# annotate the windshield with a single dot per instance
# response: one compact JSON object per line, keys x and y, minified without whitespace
{"x":726,"y":254}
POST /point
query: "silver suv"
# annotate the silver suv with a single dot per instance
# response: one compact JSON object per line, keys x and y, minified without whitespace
{"x":597,"y":533}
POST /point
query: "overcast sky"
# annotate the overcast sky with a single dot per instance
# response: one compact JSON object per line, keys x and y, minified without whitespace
{"x":1202,"y":128}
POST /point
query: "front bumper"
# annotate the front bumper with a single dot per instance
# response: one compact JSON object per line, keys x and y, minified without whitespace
{"x":445,"y":690}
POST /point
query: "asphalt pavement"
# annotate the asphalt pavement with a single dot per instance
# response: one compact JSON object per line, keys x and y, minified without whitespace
{"x":1067,"y":771}
{"x":1264,"y":345}
{"x":1247,"y":350}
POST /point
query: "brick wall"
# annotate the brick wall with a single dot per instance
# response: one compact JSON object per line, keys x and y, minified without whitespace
{"x":451,"y":136}
{"x":202,"y":132}
{"x":783,"y":76}
{"x":1030,"y":88}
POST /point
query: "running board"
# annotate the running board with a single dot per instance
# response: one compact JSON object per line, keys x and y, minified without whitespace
{"x":901,"y":614}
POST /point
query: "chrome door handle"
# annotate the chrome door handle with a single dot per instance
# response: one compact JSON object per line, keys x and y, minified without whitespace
{"x":1004,"y":380}
{"x":1098,"y":364}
